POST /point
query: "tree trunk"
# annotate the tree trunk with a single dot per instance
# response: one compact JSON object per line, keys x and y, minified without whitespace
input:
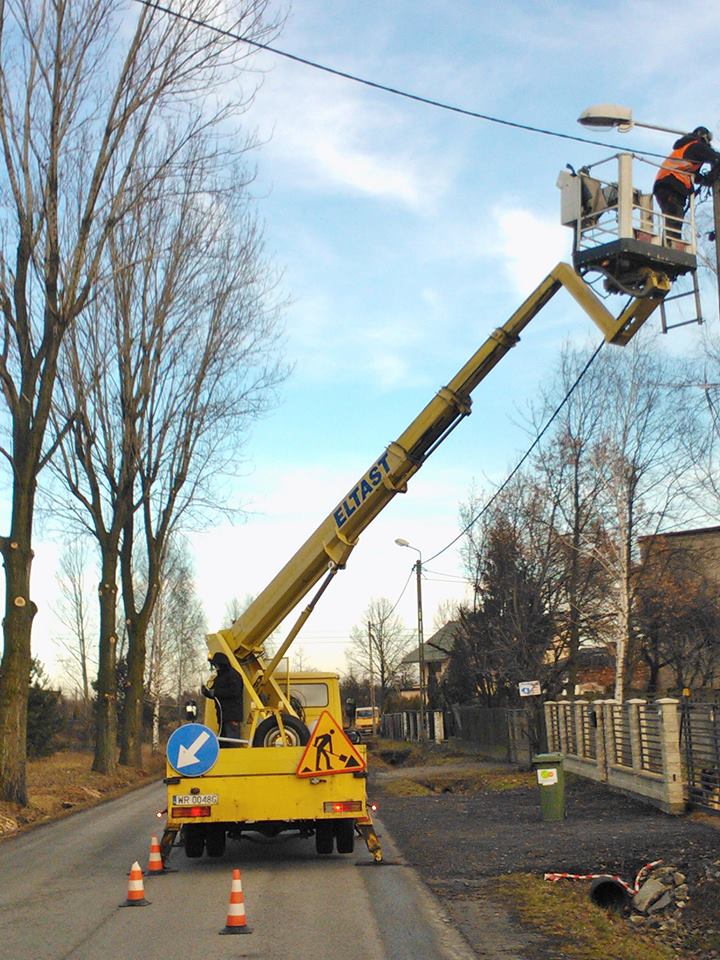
{"x":17,"y":626}
{"x":132,"y":721}
{"x":106,"y":713}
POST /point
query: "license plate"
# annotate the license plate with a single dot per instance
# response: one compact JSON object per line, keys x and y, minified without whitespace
{"x":195,"y":800}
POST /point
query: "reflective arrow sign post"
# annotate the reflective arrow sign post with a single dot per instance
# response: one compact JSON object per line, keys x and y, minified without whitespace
{"x":192,"y":749}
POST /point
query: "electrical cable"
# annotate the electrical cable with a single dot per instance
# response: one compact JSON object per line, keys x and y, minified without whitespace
{"x":524,"y":457}
{"x":402,"y":592}
{"x":395,"y":91}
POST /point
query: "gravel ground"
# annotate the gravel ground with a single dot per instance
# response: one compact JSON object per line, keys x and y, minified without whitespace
{"x":460,"y":842}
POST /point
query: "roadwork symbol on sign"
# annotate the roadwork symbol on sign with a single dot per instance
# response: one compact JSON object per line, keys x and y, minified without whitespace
{"x":192,"y":749}
{"x":329,"y":751}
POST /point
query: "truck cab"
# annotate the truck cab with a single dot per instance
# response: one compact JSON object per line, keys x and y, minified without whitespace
{"x":367,"y":721}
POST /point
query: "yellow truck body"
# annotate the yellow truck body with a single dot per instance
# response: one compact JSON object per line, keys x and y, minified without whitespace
{"x":252,"y":787}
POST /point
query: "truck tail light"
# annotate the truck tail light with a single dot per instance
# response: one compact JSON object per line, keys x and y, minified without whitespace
{"x":185,"y":812}
{"x":343,"y":806}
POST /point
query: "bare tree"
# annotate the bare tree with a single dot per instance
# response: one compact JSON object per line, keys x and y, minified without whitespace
{"x":78,"y":100}
{"x":643,"y":465}
{"x":191,"y":332}
{"x":378,"y":646}
{"x":73,"y":611}
{"x":175,"y":634}
{"x":74,"y":108}
{"x":564,"y":469}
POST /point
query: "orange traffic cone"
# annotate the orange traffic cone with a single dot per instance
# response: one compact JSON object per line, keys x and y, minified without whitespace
{"x":155,"y":862}
{"x":136,"y":889}
{"x":236,"y":920}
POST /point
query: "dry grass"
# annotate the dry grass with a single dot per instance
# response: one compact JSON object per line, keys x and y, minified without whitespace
{"x":462,"y":781}
{"x":403,"y":787}
{"x":575,"y":928}
{"x":65,"y":782}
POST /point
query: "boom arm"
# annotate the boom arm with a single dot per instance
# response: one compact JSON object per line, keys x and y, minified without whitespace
{"x":329,"y":547}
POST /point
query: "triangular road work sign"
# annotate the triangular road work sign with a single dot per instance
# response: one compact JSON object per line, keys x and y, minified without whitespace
{"x":329,"y":751}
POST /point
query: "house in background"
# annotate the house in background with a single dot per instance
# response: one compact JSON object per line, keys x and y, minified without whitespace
{"x":684,"y":558}
{"x":436,"y":657}
{"x":697,"y":550}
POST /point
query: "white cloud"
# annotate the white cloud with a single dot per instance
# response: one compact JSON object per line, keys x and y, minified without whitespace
{"x":328,"y":137}
{"x":530,"y":246}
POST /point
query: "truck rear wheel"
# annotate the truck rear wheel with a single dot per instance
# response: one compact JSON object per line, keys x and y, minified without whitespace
{"x":345,"y":835}
{"x":194,"y":836}
{"x":215,"y":841}
{"x":268,"y":733}
{"x":324,"y":837}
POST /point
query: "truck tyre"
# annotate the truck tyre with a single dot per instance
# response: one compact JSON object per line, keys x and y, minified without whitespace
{"x":268,"y":732}
{"x":194,"y":836}
{"x":215,"y":841}
{"x":345,"y":835}
{"x":324,"y":837}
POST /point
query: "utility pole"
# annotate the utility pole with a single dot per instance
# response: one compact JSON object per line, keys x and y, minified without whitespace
{"x":421,"y":648}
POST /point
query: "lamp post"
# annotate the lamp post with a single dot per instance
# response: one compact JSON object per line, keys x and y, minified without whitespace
{"x":612,"y":115}
{"x":421,"y":650}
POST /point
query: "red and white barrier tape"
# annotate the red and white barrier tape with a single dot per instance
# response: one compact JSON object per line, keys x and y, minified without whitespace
{"x":554,"y":877}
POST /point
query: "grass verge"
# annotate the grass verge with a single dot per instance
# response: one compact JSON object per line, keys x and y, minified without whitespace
{"x":65,"y":782}
{"x":575,"y":928}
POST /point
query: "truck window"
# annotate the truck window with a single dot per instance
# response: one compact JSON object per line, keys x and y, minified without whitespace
{"x":365,"y":712}
{"x":310,"y":694}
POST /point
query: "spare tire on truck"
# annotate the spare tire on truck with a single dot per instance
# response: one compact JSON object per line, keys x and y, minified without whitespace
{"x":268,"y":733}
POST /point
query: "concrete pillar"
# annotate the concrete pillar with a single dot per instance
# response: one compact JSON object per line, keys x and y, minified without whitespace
{"x":580,"y":710}
{"x":672,"y":761}
{"x":598,"y":707}
{"x":609,"y":733}
{"x":635,"y":739}
{"x":551,"y":725}
{"x":563,"y":718}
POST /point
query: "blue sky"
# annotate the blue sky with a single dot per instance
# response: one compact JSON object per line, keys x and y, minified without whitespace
{"x":406,"y":234}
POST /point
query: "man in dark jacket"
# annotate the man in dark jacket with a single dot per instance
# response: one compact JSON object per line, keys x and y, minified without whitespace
{"x":676,"y":178}
{"x":227,"y":692}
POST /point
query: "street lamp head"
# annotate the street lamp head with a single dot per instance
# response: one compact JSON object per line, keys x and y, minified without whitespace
{"x":401,"y":543}
{"x":607,"y":115}
{"x":612,"y":115}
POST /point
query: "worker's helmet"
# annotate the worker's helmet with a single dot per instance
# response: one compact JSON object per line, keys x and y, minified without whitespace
{"x":219,"y":660}
{"x":703,"y":134}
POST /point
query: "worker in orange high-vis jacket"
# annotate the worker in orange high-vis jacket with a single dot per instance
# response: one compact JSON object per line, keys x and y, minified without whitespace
{"x":677,"y":177}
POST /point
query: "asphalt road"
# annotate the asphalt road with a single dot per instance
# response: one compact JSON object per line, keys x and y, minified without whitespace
{"x":62,"y":886}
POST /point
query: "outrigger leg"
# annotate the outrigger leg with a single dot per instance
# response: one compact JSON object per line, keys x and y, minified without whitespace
{"x":367,"y":832}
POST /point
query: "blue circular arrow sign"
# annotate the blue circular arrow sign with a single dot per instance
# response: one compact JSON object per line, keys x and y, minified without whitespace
{"x":192,"y":749}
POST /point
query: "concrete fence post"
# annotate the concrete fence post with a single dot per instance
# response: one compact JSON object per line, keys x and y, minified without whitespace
{"x":580,"y":709}
{"x":668,"y":709}
{"x":609,"y":738}
{"x":600,"y":752}
{"x":551,"y":725}
{"x":563,"y":717}
{"x":636,"y":750}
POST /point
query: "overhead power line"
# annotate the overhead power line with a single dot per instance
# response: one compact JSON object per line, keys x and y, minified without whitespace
{"x":524,"y":457}
{"x":385,"y":88}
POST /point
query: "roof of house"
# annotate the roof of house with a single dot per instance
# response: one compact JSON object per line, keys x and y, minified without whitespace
{"x":438,"y":647}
